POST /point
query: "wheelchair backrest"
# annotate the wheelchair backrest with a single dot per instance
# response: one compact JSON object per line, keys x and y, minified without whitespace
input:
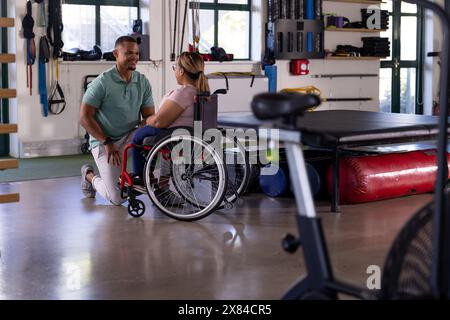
{"x":208,"y":113}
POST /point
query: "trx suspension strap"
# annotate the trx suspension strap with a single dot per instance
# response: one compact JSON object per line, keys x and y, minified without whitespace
{"x":28,"y":24}
{"x":55,"y":27}
{"x":57,"y":101}
{"x":172,"y":54}
{"x":184,"y":25}
{"x":44,"y":57}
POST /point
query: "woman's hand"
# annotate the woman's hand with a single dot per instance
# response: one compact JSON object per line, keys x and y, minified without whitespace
{"x":150,"y":120}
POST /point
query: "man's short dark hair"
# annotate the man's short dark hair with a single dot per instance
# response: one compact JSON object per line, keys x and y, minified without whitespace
{"x":124,"y":39}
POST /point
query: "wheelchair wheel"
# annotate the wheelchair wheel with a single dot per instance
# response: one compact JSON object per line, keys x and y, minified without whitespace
{"x":136,"y":208}
{"x":185,"y":177}
{"x":238,"y":168}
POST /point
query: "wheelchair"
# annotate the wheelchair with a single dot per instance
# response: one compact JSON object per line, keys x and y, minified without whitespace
{"x":185,"y":176}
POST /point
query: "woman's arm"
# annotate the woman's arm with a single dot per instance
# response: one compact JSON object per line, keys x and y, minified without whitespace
{"x":166,"y":115}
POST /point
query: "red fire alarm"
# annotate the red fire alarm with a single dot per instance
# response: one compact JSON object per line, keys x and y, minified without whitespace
{"x":299,"y":67}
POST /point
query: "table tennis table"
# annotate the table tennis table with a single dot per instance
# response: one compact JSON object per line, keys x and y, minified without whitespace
{"x":337,"y":130}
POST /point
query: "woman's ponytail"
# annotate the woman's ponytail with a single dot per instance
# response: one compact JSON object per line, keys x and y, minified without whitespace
{"x":202,"y":83}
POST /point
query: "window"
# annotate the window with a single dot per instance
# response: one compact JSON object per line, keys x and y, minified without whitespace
{"x":101,"y":22}
{"x":401,"y":73}
{"x":226,"y":24}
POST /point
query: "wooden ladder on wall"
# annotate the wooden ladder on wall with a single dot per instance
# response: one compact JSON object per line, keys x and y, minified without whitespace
{"x":8,"y":128}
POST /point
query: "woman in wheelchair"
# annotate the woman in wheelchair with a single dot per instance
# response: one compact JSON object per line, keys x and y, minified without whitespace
{"x":177,"y":106}
{"x":186,"y":191}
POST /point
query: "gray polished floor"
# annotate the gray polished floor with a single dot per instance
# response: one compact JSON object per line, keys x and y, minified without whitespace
{"x":56,"y":245}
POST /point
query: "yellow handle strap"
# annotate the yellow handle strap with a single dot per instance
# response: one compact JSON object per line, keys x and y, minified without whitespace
{"x":57,"y":70}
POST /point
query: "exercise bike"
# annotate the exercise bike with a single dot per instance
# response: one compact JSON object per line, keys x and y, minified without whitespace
{"x":418,"y":263}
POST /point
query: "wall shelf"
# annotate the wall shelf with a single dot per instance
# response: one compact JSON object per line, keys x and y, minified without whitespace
{"x":7,"y":58}
{"x":357,"y":1}
{"x":360,"y":30}
{"x":353,"y":58}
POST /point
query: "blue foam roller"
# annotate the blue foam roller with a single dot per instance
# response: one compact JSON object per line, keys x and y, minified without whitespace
{"x":275,"y":185}
{"x":279,"y":184}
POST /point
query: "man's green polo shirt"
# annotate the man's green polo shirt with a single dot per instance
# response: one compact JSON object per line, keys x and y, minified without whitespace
{"x":118,"y":102}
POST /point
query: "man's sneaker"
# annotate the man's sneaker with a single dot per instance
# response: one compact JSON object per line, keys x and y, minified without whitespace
{"x":86,"y":187}
{"x":168,"y":198}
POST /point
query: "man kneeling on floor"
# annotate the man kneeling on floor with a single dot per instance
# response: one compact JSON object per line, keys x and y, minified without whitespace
{"x":110,"y":112}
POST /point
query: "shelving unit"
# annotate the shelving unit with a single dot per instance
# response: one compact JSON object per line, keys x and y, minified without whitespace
{"x":355,"y":30}
{"x":366,"y":87}
{"x":7,"y":93}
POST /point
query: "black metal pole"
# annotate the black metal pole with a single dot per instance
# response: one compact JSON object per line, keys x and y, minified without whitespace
{"x":172,"y":55}
{"x":184,"y":25}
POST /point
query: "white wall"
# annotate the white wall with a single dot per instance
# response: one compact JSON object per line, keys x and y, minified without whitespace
{"x":60,"y":135}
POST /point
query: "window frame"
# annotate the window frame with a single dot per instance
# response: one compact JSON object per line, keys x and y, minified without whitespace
{"x":216,"y":6}
{"x":417,"y":64}
{"x":100,"y":3}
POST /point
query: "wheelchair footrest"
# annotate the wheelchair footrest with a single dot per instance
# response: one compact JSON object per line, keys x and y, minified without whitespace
{"x":137,"y":188}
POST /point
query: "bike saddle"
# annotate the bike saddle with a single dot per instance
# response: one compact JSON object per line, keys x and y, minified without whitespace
{"x":269,"y":106}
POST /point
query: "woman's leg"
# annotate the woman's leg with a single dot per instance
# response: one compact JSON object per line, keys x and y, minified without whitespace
{"x":138,"y":138}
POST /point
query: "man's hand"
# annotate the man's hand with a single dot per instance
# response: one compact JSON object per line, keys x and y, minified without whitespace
{"x":143,"y":123}
{"x":113,"y":154}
